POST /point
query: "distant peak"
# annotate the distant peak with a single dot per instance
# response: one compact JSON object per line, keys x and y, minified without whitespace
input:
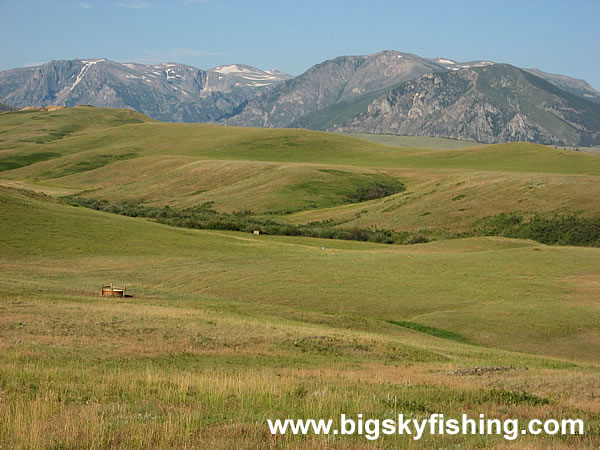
{"x":445,"y":61}
{"x":235,"y":68}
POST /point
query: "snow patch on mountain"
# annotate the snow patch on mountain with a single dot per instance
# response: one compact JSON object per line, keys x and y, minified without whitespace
{"x":84,"y":69}
{"x":233,"y":68}
{"x":250,"y":76}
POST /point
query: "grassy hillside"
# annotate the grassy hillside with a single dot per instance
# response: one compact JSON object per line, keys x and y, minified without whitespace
{"x":118,"y":155}
{"x":395,"y":281}
{"x":225,"y":330}
{"x":103,"y":133}
{"x":455,"y":200}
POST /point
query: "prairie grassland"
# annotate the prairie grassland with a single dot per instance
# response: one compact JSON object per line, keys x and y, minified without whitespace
{"x":232,"y":185}
{"x":226,"y":330}
{"x":454,"y":200}
{"x":92,"y":136}
{"x":295,"y":176}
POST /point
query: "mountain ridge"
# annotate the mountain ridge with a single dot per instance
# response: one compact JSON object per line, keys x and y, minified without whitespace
{"x":166,"y":91}
{"x":330,"y":82}
{"x":333,"y":95}
{"x":492,"y":104}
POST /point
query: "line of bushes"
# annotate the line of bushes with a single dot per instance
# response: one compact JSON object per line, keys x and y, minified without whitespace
{"x":555,"y":230}
{"x":205,"y":217}
{"x":374,"y":191}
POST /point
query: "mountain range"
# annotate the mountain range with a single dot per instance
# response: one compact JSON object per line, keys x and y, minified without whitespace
{"x":493,"y":104}
{"x":167,"y":92}
{"x":388,"y":92}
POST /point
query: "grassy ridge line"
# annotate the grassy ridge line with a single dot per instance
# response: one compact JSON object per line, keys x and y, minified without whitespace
{"x":421,"y":142}
{"x":280,"y":145}
{"x":267,"y":188}
{"x":113,"y":157}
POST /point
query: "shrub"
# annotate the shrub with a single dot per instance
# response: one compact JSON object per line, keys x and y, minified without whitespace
{"x":556,"y":230}
{"x":417,"y":239}
{"x":374,"y":191}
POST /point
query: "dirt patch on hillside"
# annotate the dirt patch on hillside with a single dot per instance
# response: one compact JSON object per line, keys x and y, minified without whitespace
{"x":586,"y":281}
{"x":585,"y":289}
{"x":480,"y":370}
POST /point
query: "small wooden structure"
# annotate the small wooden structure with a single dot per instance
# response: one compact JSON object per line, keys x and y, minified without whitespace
{"x":256,"y":232}
{"x":112,"y":291}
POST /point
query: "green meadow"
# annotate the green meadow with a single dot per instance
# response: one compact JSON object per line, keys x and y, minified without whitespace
{"x":224,"y":330}
{"x":118,"y":155}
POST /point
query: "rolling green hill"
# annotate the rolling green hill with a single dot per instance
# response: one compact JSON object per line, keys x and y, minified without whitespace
{"x":280,"y":327}
{"x":226,"y":329}
{"x":118,"y":155}
{"x":376,"y":273}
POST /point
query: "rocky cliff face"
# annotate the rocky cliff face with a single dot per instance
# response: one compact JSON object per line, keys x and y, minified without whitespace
{"x":399,"y":93}
{"x":169,"y":92}
{"x":496,"y":103}
{"x":338,"y":80}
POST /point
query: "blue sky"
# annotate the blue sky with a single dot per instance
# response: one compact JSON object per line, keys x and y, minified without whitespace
{"x":554,"y":36}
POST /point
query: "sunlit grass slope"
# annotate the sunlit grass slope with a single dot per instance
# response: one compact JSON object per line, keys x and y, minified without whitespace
{"x":462,"y":286}
{"x":225,"y":330}
{"x":119,"y":155}
{"x":457,"y":199}
{"x":132,"y":133}
{"x":184,"y":181}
